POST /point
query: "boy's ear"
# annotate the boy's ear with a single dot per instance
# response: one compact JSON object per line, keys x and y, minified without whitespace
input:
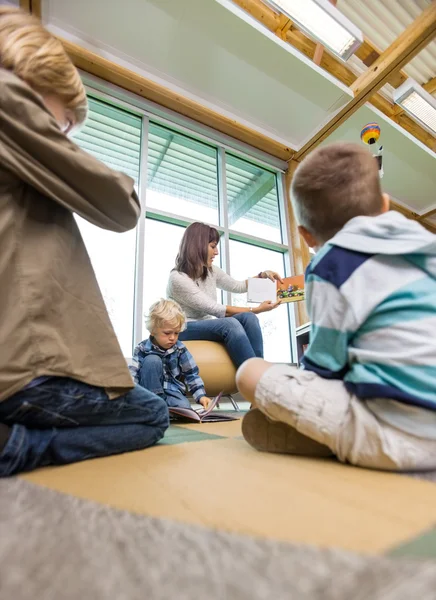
{"x":386,"y":202}
{"x":308,"y":237}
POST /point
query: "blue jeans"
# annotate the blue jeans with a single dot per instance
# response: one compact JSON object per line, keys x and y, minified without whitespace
{"x":63,"y":421}
{"x":151,"y":377}
{"x":240,"y":334}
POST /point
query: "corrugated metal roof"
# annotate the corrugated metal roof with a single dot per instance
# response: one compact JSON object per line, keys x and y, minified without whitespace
{"x":382,"y":21}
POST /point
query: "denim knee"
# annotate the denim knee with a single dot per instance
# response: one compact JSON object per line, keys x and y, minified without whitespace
{"x":232,"y":327}
{"x":152,"y":361}
{"x":162,"y":414}
{"x":249,"y":318}
{"x":151,"y":365}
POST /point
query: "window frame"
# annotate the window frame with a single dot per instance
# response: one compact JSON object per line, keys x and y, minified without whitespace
{"x":151,"y":112}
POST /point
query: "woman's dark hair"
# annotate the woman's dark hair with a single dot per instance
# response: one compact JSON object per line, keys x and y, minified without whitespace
{"x":193,"y":250}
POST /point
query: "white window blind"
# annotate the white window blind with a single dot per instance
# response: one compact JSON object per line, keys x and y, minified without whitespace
{"x":113,"y":136}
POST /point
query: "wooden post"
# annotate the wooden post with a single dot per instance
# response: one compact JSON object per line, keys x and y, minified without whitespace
{"x":32,"y":6}
{"x":300,"y":250}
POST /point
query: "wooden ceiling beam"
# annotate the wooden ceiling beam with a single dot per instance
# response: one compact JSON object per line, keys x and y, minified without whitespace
{"x":319,"y":50}
{"x":414,"y":216}
{"x":32,"y":6}
{"x":129,"y":80}
{"x":427,"y":214}
{"x":368,"y":53}
{"x":430,"y":86}
{"x":400,"y":52}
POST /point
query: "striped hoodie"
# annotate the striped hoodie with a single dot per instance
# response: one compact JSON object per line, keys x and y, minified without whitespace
{"x":371,"y":297}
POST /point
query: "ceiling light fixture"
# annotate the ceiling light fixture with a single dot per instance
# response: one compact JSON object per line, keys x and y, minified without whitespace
{"x":418,"y":103}
{"x":323,"y":22}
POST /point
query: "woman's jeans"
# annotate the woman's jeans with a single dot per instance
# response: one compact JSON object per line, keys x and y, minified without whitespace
{"x":240,"y":334}
{"x":63,"y":421}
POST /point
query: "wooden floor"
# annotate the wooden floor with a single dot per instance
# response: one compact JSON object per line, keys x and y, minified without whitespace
{"x":207,"y":474}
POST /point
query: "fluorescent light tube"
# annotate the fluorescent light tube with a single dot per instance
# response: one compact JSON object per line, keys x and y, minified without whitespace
{"x":418,"y":103}
{"x":324,"y":22}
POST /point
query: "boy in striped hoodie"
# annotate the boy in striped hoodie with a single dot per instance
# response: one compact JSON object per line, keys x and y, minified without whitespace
{"x":366,"y":392}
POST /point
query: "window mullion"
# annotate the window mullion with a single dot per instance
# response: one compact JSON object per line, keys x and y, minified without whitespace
{"x":224,"y":218}
{"x":140,"y":237}
{"x":287,"y":259}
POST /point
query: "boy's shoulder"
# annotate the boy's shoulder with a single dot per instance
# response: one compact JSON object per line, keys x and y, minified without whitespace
{"x":181,"y":348}
{"x":144,"y":346}
{"x":335,"y":265}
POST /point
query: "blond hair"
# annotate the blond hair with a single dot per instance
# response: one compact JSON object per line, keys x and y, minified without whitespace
{"x":38,"y":58}
{"x":165,"y":312}
{"x":334,"y":184}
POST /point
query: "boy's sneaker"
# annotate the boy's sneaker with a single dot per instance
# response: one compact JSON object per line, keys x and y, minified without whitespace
{"x":272,"y":436}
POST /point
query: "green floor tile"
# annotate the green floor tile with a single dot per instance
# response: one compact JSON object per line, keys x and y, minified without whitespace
{"x":423,"y":546}
{"x":180,"y":435}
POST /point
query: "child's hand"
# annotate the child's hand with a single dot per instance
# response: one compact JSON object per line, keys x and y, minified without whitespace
{"x":205,"y":401}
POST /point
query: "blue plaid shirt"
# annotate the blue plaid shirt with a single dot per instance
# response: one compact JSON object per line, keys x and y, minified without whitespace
{"x":179,"y":368}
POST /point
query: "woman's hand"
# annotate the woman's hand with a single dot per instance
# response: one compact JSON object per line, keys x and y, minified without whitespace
{"x":272,"y":275}
{"x":266,"y":306}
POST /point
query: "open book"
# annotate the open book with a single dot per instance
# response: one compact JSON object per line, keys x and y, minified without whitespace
{"x":291,"y":290}
{"x":201,"y":415}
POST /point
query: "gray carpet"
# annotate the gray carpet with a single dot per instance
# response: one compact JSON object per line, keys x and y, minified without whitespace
{"x":56,"y":547}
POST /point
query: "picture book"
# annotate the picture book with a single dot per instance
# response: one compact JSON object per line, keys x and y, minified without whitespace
{"x":292,"y":289}
{"x":259,"y":290}
{"x":201,"y":415}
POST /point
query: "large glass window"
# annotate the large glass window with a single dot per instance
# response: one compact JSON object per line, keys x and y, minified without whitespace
{"x":161,"y":245}
{"x":113,"y":136}
{"x":253,"y":205}
{"x":162,"y":242}
{"x":182,"y":175}
{"x":182,"y":186}
{"x":246,"y":261}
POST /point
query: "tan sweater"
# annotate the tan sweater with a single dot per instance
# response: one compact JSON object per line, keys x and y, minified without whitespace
{"x":53,"y":320}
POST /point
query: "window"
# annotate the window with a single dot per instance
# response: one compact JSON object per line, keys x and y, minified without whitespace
{"x":185,"y":180}
{"x":247,"y":260}
{"x":182,"y":175}
{"x":253,"y":205}
{"x":161,"y":246}
{"x":162,"y":242}
{"x":113,"y":136}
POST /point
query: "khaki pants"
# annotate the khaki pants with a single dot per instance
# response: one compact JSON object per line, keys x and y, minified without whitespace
{"x":323,"y":410}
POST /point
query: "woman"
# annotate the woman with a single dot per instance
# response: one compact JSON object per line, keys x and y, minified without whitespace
{"x":193,"y":284}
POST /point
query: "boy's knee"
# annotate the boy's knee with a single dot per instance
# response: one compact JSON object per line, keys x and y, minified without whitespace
{"x":248,"y":376}
{"x":152,"y":360}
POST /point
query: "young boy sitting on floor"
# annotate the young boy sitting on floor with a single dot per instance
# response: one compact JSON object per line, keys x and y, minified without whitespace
{"x":66,"y":393}
{"x":164,"y":365}
{"x":367,"y":390}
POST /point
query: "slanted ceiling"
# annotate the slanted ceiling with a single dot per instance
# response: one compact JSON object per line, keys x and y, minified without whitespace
{"x":383,"y":21}
{"x":218,"y":54}
{"x":199,"y":48}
